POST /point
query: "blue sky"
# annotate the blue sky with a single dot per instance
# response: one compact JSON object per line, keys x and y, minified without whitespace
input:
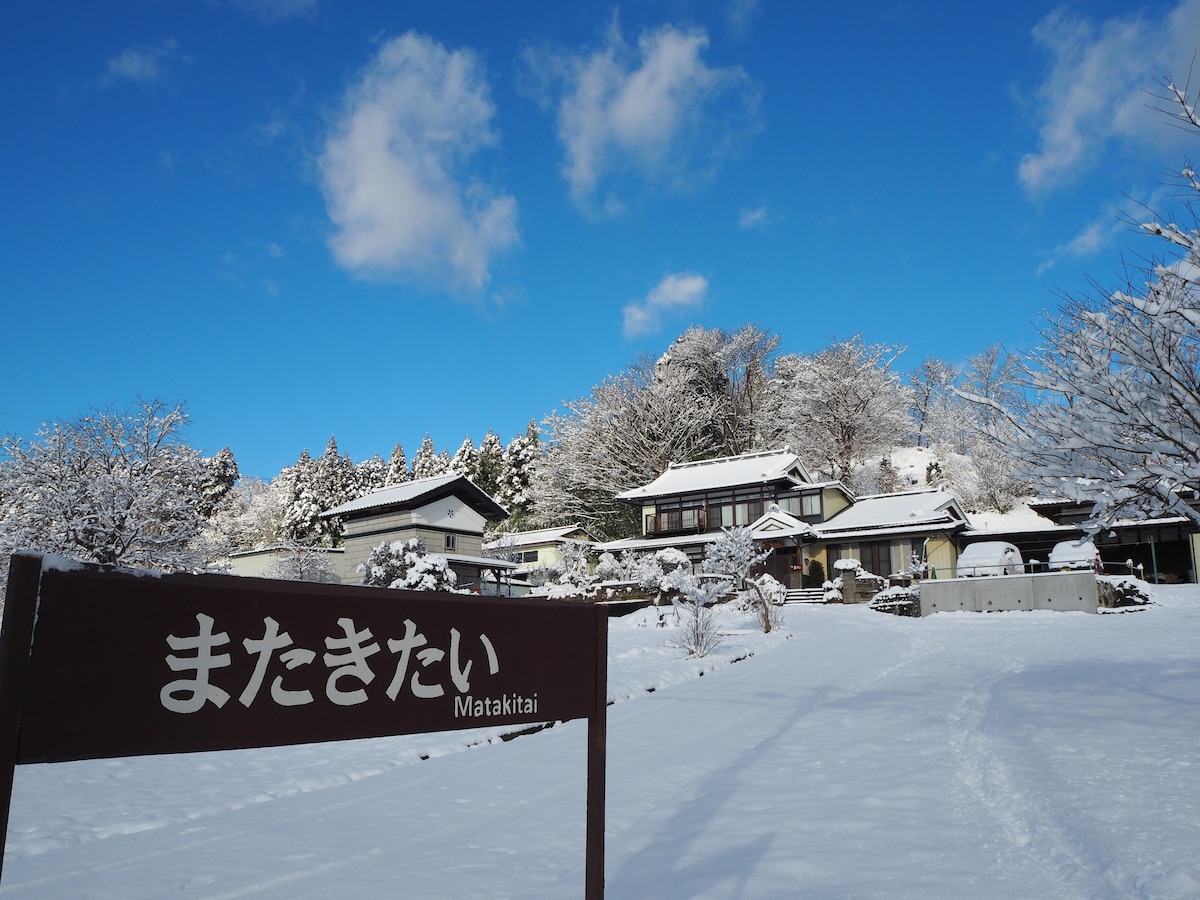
{"x":377,"y":219}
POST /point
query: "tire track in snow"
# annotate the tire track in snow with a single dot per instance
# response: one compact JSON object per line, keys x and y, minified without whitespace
{"x":1035,"y":835}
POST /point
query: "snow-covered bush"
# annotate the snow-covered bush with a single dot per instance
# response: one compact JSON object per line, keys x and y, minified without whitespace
{"x":735,"y":554}
{"x":407,"y":564}
{"x":693,"y":598}
{"x":302,"y":562}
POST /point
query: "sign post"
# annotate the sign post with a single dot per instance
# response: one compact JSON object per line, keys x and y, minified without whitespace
{"x":96,"y":663}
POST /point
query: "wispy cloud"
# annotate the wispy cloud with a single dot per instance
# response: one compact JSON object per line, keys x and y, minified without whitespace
{"x":740,"y":14}
{"x":1094,"y":93}
{"x":146,"y":64}
{"x":681,"y":291}
{"x":1106,"y":229}
{"x":757,"y":217}
{"x":395,"y":170}
{"x":655,"y":112}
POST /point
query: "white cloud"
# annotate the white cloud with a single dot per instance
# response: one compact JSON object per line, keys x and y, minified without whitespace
{"x":680,"y":291}
{"x":393,"y":170}
{"x":144,"y":65}
{"x":757,"y":217}
{"x":1095,"y":91}
{"x":655,"y":112}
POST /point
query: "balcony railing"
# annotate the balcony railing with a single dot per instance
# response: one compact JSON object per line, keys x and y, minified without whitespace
{"x":677,"y":521}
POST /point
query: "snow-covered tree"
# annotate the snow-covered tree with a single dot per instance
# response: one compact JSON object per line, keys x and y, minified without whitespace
{"x":1115,"y":416}
{"x":369,"y":475}
{"x":573,"y":577}
{"x":490,"y":468}
{"x":409,"y":565}
{"x":466,"y":458}
{"x":397,"y":467}
{"x":736,"y":555}
{"x":427,"y":463}
{"x":694,"y":597}
{"x":939,"y":415}
{"x":624,"y":434}
{"x":703,"y":398}
{"x":840,"y":406}
{"x":516,"y":473}
{"x":116,"y":486}
{"x":302,"y":562}
{"x":301,"y":508}
{"x":314,"y":486}
{"x":220,"y":476}
{"x":250,"y":518}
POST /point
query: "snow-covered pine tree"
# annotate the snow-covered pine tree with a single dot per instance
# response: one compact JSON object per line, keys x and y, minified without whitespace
{"x":490,"y":466}
{"x":369,"y":475}
{"x":516,"y":473}
{"x":335,"y":481}
{"x":220,"y":476}
{"x":301,"y":507}
{"x":465,"y":459}
{"x":397,"y":467}
{"x":426,"y":464}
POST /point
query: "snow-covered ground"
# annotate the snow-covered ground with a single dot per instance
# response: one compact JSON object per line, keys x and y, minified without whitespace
{"x":1031,"y":754}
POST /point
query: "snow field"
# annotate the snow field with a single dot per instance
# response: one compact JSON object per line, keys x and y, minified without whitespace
{"x":854,"y":754}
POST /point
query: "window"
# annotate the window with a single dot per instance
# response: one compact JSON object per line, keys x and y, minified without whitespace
{"x":790,"y":504}
{"x":451,"y":542}
{"x":528,"y":556}
{"x":811,"y":505}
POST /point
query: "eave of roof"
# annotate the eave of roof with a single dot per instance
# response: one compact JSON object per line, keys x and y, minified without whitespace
{"x":724,"y":473}
{"x":412,"y":494}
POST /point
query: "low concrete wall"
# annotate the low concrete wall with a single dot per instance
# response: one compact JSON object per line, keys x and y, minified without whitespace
{"x":1069,"y":591}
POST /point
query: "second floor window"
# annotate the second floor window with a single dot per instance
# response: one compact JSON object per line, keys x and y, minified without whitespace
{"x":451,"y":542}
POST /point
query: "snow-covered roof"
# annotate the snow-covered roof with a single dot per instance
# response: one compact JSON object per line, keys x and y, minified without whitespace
{"x":483,"y":562}
{"x":643,"y":544}
{"x":537,"y":537}
{"x":420,"y":491}
{"x":777,"y":523}
{"x":925,"y":510}
{"x":1021,"y":518}
{"x":723,"y":473}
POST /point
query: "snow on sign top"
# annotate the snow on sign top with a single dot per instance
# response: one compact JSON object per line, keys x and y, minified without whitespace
{"x":725,"y":472}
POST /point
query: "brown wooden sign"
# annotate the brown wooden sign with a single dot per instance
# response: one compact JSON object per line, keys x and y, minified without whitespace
{"x":96,"y":663}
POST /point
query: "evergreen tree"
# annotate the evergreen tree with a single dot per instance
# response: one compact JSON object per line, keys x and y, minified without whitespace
{"x":490,"y":467}
{"x":466,"y":460}
{"x":425,"y":463}
{"x":301,"y":509}
{"x":220,"y":475}
{"x":516,"y":473}
{"x":370,"y":475}
{"x":335,"y":482}
{"x":397,"y":467}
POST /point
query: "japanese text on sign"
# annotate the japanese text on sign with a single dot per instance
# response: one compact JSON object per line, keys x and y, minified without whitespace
{"x":346,"y":657}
